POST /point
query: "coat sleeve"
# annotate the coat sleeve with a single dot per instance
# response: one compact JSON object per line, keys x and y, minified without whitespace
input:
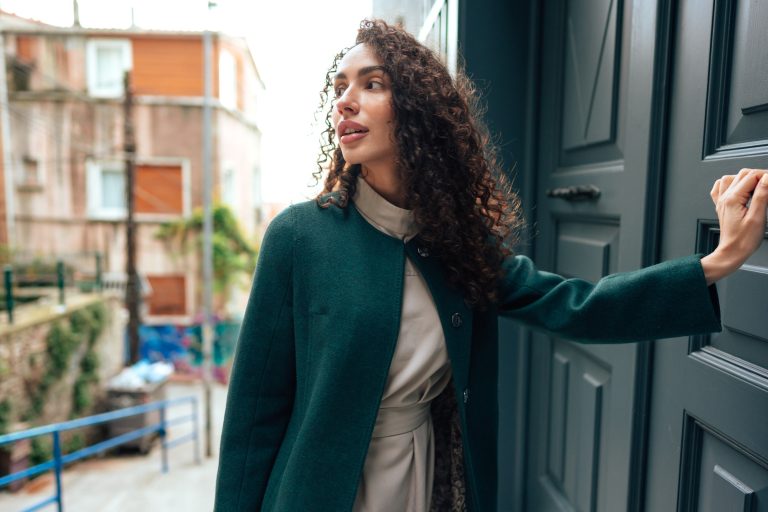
{"x":262,"y":385}
{"x":662,"y":301}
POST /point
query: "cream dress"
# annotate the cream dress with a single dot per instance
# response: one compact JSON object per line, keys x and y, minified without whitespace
{"x":399,"y":469}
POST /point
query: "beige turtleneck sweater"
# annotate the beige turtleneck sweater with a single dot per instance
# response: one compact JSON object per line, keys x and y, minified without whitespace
{"x":398,"y":472}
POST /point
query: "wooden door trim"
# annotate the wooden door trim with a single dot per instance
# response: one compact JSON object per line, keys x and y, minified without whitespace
{"x":651,"y":246}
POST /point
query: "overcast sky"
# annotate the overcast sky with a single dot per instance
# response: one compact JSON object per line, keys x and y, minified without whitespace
{"x":293,"y":43}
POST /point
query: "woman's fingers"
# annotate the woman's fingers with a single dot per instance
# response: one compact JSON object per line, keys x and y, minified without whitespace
{"x":726,"y":182}
{"x":742,"y":228}
{"x":736,"y":190}
{"x":743,"y":174}
{"x":759,"y":202}
{"x":715,"y":192}
{"x":721,"y":186}
{"x":737,"y":181}
{"x":744,"y":184}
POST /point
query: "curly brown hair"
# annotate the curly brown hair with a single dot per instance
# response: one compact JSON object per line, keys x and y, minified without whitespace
{"x":453,"y":181}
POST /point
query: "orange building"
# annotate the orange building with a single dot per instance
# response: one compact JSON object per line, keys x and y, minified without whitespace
{"x":63,"y":176}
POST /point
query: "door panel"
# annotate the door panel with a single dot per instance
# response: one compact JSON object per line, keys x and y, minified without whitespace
{"x":708,"y":443}
{"x":578,"y":384}
{"x":595,"y":76}
{"x":590,"y":73}
{"x":745,"y":324}
{"x":586,"y":249}
{"x":720,"y":475}
{"x":737,"y":100}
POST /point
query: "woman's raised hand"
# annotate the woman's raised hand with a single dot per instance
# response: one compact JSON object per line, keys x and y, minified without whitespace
{"x":742,"y":226}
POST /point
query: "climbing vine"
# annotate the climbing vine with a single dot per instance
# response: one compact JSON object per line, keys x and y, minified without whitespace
{"x":63,"y":341}
{"x":5,"y":419}
{"x":65,"y":338}
{"x":41,"y":449}
{"x":233,"y":256}
{"x":5,"y":415}
{"x":82,"y":398}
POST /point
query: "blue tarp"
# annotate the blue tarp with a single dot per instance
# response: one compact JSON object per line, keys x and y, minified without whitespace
{"x":181,"y":345}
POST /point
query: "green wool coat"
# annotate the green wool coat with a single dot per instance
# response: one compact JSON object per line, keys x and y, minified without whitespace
{"x":321,"y":327}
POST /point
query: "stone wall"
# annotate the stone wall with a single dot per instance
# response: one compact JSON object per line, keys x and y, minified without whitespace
{"x":25,"y":358}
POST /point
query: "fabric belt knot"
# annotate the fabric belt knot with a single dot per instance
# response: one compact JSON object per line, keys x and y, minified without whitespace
{"x":393,"y":421}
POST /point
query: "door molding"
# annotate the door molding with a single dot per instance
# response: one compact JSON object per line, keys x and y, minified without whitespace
{"x":651,"y":247}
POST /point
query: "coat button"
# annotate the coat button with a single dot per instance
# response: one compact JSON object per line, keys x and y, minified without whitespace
{"x":456,"y":320}
{"x":466,"y":396}
{"x":423,"y":251}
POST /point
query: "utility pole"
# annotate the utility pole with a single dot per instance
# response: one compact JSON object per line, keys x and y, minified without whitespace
{"x":132,"y":284}
{"x":76,"y":14}
{"x":207,"y":327}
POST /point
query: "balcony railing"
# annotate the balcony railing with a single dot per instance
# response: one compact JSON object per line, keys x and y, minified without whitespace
{"x":59,"y":460}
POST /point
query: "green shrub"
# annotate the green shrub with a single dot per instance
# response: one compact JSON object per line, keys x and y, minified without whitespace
{"x":80,"y":322}
{"x":42,"y":446}
{"x":5,"y":415}
{"x":82,"y":393}
{"x":62,"y":342}
{"x":89,"y":364}
{"x":41,"y":450}
{"x":76,"y":441}
{"x":81,"y":396}
{"x":99,"y":321}
{"x":89,"y":322}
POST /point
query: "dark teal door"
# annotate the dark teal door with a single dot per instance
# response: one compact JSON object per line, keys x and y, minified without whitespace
{"x":709,"y":419}
{"x":585,"y":428}
{"x":647,"y":101}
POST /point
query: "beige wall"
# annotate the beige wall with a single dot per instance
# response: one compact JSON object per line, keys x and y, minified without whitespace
{"x":239,"y":147}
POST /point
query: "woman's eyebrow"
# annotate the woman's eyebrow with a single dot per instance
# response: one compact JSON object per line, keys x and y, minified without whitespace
{"x":363,"y":71}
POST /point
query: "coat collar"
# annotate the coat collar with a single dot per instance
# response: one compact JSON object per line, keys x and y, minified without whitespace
{"x":456,"y":317}
{"x":385,"y":216}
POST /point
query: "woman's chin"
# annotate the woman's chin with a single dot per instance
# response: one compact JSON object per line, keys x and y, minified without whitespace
{"x":352,"y":159}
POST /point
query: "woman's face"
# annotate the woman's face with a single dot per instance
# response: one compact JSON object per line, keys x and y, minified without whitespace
{"x":362,"y":114}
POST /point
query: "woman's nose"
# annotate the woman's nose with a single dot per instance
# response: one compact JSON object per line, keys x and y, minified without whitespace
{"x":347,"y":103}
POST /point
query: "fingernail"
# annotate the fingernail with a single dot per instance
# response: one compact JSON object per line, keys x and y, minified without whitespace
{"x":764,"y":180}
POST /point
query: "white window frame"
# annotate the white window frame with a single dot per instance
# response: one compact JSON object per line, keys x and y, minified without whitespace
{"x":96,"y":210}
{"x":256,"y":189}
{"x":228,"y":189}
{"x":228,"y":90}
{"x":92,"y":47}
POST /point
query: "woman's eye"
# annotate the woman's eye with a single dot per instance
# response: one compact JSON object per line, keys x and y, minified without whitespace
{"x":375,"y":85}
{"x":338,"y":91}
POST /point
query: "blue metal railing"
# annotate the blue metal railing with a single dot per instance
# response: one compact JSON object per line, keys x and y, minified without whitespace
{"x":59,"y":461}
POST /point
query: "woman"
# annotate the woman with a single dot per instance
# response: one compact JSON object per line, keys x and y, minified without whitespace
{"x":365,"y":372}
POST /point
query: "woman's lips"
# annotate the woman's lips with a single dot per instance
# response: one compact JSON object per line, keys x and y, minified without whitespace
{"x":352,"y":137}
